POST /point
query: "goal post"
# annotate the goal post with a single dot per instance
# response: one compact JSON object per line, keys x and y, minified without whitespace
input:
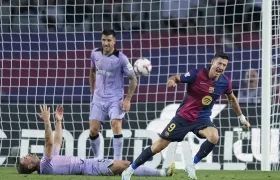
{"x":266,"y":84}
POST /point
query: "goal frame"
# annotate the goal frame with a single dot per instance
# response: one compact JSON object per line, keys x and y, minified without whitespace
{"x":266,"y":84}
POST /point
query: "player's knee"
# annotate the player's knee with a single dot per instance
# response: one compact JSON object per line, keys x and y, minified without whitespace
{"x":117,"y":126}
{"x":94,"y":127}
{"x":119,"y":166}
{"x":159,"y":145}
{"x":126,"y":163}
{"x":94,"y":131}
{"x":213,"y":137}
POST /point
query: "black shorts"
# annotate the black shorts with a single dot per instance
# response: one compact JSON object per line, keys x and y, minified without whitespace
{"x":178,"y":128}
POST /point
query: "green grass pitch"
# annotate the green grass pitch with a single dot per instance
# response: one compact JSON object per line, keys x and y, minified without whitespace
{"x":11,"y":174}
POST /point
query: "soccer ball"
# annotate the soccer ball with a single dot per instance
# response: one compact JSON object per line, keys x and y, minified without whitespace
{"x":142,"y":67}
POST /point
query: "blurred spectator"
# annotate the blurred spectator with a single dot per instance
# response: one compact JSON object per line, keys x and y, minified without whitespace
{"x":1,"y":93}
{"x":54,"y":15}
{"x":25,"y":17}
{"x":252,"y":15}
{"x":275,"y":16}
{"x":275,"y":82}
{"x":176,"y":12}
{"x":5,"y":16}
{"x":129,"y":14}
{"x":250,"y":92}
{"x":232,"y":14}
{"x":204,"y":15}
{"x":78,"y":17}
{"x":275,"y":73}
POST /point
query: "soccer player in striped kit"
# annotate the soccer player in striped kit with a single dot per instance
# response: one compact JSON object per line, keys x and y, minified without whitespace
{"x":54,"y":164}
{"x":205,"y":86}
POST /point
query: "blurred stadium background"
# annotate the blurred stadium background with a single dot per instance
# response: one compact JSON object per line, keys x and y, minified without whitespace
{"x":45,"y":49}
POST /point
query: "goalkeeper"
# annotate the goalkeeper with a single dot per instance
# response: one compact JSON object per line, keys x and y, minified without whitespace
{"x":205,"y":86}
{"x":108,"y":68}
{"x":54,"y":164}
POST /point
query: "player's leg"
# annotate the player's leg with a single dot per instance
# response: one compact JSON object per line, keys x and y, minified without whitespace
{"x":118,"y":138}
{"x":174,"y":131}
{"x":203,"y":129}
{"x":95,"y":118}
{"x":120,"y":165}
{"x":116,"y":115}
{"x":210,"y":132}
{"x":149,"y":152}
{"x":94,"y":136}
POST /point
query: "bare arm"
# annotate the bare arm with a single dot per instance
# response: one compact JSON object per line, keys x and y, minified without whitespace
{"x":132,"y":86}
{"x":48,"y":139}
{"x":58,"y":135}
{"x":58,"y":128}
{"x":235,"y":106}
{"x":92,"y":78}
{"x":234,"y":103}
{"x":45,"y":115}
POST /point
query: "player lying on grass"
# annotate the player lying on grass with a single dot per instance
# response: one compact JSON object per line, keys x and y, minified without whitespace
{"x":53,"y":163}
{"x":205,"y":86}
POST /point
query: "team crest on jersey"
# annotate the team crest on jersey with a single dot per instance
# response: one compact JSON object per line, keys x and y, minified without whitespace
{"x":206,"y":100}
{"x":211,"y":89}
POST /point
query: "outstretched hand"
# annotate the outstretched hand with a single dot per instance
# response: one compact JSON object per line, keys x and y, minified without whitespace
{"x":59,"y":113}
{"x":171,"y":83}
{"x":45,"y":112}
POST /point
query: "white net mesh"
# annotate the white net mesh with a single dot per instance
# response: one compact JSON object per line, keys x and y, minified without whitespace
{"x":45,"y":49}
{"x":275,"y":85}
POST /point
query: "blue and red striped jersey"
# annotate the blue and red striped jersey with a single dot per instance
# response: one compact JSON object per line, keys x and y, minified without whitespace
{"x":202,"y":92}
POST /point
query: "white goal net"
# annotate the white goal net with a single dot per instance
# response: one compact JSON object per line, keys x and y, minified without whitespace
{"x":45,"y":49}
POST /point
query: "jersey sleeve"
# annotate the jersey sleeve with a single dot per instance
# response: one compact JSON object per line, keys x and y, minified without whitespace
{"x":54,"y":153}
{"x":127,"y":68}
{"x":188,"y":77}
{"x":229,"y":89}
{"x":92,"y":59}
{"x":46,"y":166}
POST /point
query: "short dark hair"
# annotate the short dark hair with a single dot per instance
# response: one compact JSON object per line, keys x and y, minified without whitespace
{"x":108,"y":32}
{"x":221,"y":55}
{"x":22,"y":169}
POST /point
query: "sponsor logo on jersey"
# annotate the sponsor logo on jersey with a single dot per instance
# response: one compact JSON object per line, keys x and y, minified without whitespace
{"x":206,"y":100}
{"x":103,"y":72}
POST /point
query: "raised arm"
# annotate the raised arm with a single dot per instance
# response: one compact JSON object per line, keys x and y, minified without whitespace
{"x":45,"y":116}
{"x":188,"y":77}
{"x":58,"y":128}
